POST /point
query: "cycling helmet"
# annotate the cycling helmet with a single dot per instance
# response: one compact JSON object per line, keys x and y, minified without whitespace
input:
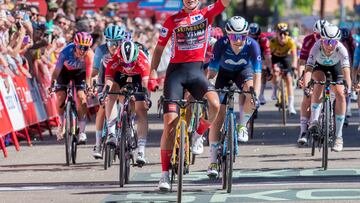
{"x":345,"y":33}
{"x":282,"y":27}
{"x":129,"y":52}
{"x":237,"y":25}
{"x":83,"y":39}
{"x":114,"y":32}
{"x":254,"y":29}
{"x":319,"y":24}
{"x":216,"y":32}
{"x":330,"y":31}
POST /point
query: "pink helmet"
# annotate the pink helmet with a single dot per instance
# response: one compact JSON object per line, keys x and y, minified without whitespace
{"x":83,"y":39}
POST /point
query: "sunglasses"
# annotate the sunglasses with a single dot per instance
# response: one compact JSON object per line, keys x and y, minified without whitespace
{"x":111,"y":43}
{"x":62,"y":23}
{"x":284,"y":33}
{"x":34,"y":14}
{"x":236,"y":37}
{"x":82,"y":48}
{"x":329,"y":42}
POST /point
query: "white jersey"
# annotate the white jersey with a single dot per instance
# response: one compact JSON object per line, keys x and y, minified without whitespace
{"x":317,"y":55}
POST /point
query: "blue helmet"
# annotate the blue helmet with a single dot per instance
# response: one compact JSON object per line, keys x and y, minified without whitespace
{"x":114,"y":32}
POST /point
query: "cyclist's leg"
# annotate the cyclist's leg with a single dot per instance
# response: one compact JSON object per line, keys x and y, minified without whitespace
{"x":317,"y":75}
{"x":286,"y":65}
{"x":173,"y":89}
{"x":63,"y":79}
{"x":141,"y":110}
{"x":244,"y":80}
{"x":200,"y":87}
{"x":340,"y":105}
{"x":79,"y":76}
{"x":275,"y":70}
{"x":100,"y":116}
{"x":264,"y":74}
{"x":221,"y":81}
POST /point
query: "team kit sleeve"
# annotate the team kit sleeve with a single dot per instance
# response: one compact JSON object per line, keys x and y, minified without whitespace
{"x":356,"y":56}
{"x":312,"y":55}
{"x":255,"y":57}
{"x":214,"y":63}
{"x":110,"y":70}
{"x":166,"y":32}
{"x":61,"y":60}
{"x":266,"y":46}
{"x":97,"y":58}
{"x":344,"y":56}
{"x":145,"y":66}
{"x":305,"y":49}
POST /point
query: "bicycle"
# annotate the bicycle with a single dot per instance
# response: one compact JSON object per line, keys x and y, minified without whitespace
{"x":180,"y":160}
{"x":125,"y":132}
{"x":326,"y":135}
{"x":70,"y":121}
{"x":282,"y":97}
{"x":228,"y":148}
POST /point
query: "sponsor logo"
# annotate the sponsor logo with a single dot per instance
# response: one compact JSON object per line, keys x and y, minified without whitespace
{"x":172,"y":107}
{"x":191,"y":37}
{"x":195,"y":18}
{"x":239,"y":62}
{"x":259,"y":58}
{"x":164,"y":31}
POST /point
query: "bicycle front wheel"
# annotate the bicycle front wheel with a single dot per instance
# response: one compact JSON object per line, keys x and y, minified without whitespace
{"x":122,"y":158}
{"x":181,"y":162}
{"x":326,"y":135}
{"x":230,"y":152}
{"x":283,"y":102}
{"x":68,"y":133}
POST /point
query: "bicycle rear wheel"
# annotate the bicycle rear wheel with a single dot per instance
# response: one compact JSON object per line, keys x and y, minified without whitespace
{"x":197,"y":114}
{"x":181,"y":162}
{"x":122,"y":158}
{"x":283,"y":102}
{"x":230,"y":152}
{"x":68,"y":133}
{"x":251,"y":125}
{"x":73,"y":150}
{"x":326,"y":135}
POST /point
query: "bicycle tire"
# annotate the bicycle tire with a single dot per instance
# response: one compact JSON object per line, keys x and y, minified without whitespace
{"x":326,"y":135}
{"x":181,"y":162}
{"x":197,"y":115}
{"x":230,"y":152}
{"x":68,"y":133}
{"x":122,"y":151}
{"x":283,"y":102}
{"x":106,"y":156}
{"x":73,"y":150}
{"x":251,"y":125}
{"x":313,"y":146}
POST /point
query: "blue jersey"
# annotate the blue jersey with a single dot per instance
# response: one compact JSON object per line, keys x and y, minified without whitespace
{"x":224,"y":57}
{"x":357,"y":51}
{"x":100,"y":52}
{"x":67,"y":58}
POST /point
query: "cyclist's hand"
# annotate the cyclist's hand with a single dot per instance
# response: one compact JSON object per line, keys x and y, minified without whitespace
{"x":152,"y":84}
{"x":307,"y":91}
{"x":300,"y":82}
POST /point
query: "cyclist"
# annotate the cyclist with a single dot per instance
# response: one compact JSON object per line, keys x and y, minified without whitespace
{"x":236,"y":58}
{"x":114,"y":36}
{"x":129,"y":61}
{"x":283,"y":51}
{"x":255,"y":33}
{"x":307,"y":44}
{"x":74,"y":63}
{"x":189,"y":31}
{"x":329,"y":54}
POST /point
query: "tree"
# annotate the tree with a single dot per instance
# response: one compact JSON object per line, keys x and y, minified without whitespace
{"x":304,"y":6}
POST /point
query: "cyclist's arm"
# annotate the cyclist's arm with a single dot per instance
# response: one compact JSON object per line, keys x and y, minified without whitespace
{"x":345,"y":64}
{"x":97,"y":61}
{"x":58,"y":67}
{"x":267,"y":52}
{"x":294,"y":55}
{"x":301,"y":64}
{"x":310,"y":63}
{"x":89,"y":62}
{"x":145,"y":69}
{"x":110,"y":72}
{"x":256,"y":62}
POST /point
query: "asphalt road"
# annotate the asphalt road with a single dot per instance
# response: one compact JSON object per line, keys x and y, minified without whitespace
{"x":268,"y":168}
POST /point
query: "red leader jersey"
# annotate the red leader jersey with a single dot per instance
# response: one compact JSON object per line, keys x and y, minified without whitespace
{"x":189,"y":33}
{"x":141,"y":67}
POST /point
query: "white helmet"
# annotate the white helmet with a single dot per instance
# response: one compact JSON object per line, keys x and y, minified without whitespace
{"x":237,"y":25}
{"x":319,"y":24}
{"x":128,"y":51}
{"x":330,"y":31}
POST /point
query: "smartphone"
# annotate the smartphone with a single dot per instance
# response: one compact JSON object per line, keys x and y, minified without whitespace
{"x":26,"y":39}
{"x":18,"y":25}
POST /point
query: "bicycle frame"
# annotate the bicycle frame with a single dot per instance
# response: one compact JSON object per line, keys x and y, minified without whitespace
{"x":229,"y":112}
{"x":182,"y":118}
